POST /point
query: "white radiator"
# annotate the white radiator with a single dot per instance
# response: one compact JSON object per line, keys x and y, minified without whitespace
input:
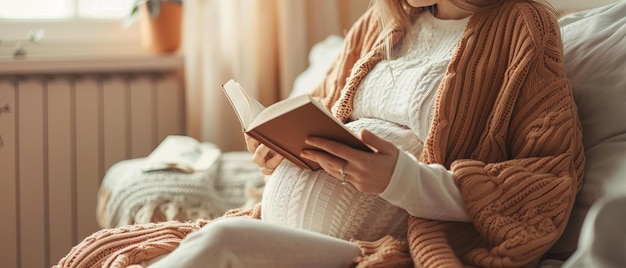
{"x":58,"y":135}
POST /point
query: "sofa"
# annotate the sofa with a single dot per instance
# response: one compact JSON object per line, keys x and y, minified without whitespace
{"x":595,"y":62}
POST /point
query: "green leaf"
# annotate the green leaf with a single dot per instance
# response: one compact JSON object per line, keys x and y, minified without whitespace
{"x":154,"y":8}
{"x":36,"y":35}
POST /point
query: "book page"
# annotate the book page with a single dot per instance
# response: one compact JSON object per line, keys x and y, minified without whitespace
{"x":279,"y":108}
{"x":246,"y":107}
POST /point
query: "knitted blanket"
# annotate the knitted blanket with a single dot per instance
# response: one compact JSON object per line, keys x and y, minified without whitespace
{"x":134,"y":244}
{"x":130,"y":196}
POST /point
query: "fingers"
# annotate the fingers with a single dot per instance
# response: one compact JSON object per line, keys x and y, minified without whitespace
{"x":266,"y":159}
{"x":263,"y":156}
{"x":366,"y":171}
{"x":259,"y":157}
{"x":273,"y":161}
{"x":335,"y":166}
{"x":343,"y":174}
{"x":376,"y":142}
{"x":350,"y":154}
{"x":251,"y":143}
{"x":339,"y":169}
{"x":260,"y":152}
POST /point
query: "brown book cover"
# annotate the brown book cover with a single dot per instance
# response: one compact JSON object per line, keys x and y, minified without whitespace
{"x":285,"y":125}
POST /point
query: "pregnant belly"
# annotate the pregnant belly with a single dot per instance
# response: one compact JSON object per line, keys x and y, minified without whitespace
{"x":316,"y":201}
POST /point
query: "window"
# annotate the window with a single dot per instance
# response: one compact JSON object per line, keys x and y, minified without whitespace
{"x":63,"y":9}
{"x":69,"y":26}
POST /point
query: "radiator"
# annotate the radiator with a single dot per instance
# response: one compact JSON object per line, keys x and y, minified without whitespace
{"x":58,"y":136}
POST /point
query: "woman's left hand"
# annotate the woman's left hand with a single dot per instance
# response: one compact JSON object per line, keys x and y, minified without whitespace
{"x":368,"y":172}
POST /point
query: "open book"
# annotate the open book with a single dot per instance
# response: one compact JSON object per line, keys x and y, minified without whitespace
{"x":182,"y":154}
{"x":285,"y":125}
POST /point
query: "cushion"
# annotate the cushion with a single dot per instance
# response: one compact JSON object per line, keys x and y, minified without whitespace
{"x":320,"y":58}
{"x":594,"y":43}
{"x":602,"y":237}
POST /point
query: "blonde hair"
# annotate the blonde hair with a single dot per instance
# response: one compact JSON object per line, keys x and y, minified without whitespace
{"x":397,"y":13}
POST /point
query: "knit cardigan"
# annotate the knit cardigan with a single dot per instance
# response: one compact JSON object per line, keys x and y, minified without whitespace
{"x":505,"y":123}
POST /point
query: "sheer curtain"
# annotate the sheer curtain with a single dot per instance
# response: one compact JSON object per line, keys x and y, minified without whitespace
{"x":263,"y":44}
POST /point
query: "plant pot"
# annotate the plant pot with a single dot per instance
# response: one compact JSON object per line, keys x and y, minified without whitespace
{"x":163,"y":33}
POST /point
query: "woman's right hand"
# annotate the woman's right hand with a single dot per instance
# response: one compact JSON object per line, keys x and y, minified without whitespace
{"x":263,"y":156}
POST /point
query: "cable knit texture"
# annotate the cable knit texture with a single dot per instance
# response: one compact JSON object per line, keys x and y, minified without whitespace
{"x":316,"y":201}
{"x":133,"y":244}
{"x":504,"y":122}
{"x":127,"y":195}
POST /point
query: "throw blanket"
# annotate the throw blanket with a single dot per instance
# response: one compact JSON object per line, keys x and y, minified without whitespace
{"x":133,"y":244}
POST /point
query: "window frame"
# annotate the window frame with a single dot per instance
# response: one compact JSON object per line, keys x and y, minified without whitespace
{"x":71,"y":36}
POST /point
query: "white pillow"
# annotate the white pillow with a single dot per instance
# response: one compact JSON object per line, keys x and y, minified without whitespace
{"x":594,"y":43}
{"x":321,"y":56}
{"x":595,"y":55}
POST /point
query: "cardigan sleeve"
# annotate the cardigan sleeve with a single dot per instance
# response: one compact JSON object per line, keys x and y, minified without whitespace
{"x":521,"y":206}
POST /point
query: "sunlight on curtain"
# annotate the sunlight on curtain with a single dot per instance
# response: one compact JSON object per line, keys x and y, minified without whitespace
{"x":262,"y":44}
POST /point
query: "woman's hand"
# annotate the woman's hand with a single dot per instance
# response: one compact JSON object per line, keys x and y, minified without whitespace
{"x":265,"y":158}
{"x":368,"y":172}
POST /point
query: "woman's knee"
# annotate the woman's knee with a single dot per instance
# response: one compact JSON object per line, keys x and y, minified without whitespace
{"x":217,"y":244}
{"x":223,"y":233}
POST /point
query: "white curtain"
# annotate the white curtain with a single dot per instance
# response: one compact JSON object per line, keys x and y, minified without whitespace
{"x":263,"y":44}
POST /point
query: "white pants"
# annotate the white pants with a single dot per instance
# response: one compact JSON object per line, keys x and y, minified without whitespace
{"x":243,"y":242}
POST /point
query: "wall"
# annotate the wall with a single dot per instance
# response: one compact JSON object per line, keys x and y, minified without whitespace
{"x":62,"y":125}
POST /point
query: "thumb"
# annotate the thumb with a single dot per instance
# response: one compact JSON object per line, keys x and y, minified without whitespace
{"x":379,"y":144}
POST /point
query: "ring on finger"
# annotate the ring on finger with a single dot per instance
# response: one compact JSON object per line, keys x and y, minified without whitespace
{"x":266,"y":167}
{"x":343,"y":174}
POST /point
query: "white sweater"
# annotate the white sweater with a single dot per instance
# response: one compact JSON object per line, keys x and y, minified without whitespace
{"x":395,"y":102}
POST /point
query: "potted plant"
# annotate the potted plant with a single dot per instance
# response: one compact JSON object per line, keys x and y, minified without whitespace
{"x":159,"y":22}
{"x":19,"y":49}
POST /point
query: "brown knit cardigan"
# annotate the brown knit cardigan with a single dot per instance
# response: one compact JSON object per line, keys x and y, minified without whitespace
{"x":505,"y":123}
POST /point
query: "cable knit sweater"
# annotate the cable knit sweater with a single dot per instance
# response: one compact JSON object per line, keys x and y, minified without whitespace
{"x":505,"y":123}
